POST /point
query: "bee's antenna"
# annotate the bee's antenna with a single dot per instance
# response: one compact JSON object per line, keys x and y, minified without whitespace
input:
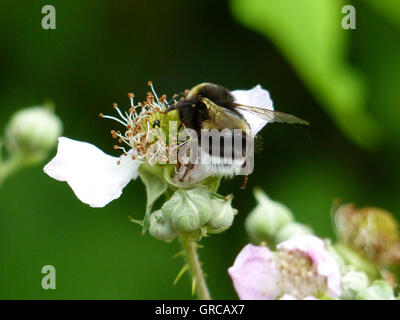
{"x":176,"y":97}
{"x":170,"y":108}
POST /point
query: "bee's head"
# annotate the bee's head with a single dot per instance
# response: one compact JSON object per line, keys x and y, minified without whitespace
{"x":185,"y":104}
{"x":192,"y":111}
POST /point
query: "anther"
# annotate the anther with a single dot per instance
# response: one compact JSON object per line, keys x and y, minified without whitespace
{"x":114,"y":134}
{"x":116,"y":147}
{"x":131,"y":96}
{"x":101,"y":115}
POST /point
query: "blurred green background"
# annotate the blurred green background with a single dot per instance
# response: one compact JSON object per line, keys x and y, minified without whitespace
{"x":345,"y":82}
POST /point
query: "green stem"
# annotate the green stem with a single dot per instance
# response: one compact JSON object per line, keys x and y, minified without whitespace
{"x":9,"y":166}
{"x":192,"y":259}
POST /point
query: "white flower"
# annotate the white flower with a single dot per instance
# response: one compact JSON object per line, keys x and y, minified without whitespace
{"x":301,"y":268}
{"x":97,"y":178}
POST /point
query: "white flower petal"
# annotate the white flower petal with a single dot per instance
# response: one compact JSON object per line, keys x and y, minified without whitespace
{"x":94,"y":176}
{"x":326,"y":265}
{"x":256,"y":97}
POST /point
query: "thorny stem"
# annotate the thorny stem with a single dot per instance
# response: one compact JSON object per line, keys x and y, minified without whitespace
{"x":192,"y":259}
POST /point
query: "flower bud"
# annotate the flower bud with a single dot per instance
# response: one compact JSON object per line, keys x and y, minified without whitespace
{"x":200,"y":197}
{"x":267,"y":218}
{"x":379,"y":290}
{"x":160,"y":228}
{"x":352,"y":282}
{"x":291,"y":230}
{"x":188,"y":210}
{"x":222,"y":215}
{"x":33,"y":130}
{"x":372,"y":232}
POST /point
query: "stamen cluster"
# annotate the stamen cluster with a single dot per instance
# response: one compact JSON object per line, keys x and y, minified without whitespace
{"x":145,"y":128}
{"x":299,"y":276}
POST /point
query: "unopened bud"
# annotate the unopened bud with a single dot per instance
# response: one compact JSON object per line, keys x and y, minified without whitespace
{"x":188,"y":210}
{"x":33,"y":130}
{"x":160,"y":228}
{"x":222,"y":215}
{"x":292,"y":230}
{"x":379,"y":290}
{"x":352,"y":282}
{"x":267,"y":218}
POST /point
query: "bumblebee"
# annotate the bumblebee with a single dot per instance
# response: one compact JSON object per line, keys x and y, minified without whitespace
{"x":210,"y":106}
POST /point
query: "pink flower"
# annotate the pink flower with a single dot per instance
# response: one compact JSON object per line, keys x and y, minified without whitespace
{"x":301,"y":268}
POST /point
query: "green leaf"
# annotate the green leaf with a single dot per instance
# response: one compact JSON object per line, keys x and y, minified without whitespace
{"x":390,"y":9}
{"x":310,"y":36}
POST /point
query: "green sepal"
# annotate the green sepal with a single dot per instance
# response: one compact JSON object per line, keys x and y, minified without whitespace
{"x":155,"y":187}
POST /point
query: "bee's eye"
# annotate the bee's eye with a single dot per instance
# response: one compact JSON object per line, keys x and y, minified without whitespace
{"x":156,"y":124}
{"x":201,"y":106}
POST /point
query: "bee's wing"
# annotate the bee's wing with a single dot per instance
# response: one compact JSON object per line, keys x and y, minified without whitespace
{"x":221,"y":118}
{"x":270,"y":115}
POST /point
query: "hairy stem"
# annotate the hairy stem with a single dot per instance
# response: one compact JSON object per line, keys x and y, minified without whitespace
{"x":192,"y":259}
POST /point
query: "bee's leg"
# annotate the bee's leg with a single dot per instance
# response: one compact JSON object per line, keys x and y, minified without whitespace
{"x":244,"y":185}
{"x":188,"y":167}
